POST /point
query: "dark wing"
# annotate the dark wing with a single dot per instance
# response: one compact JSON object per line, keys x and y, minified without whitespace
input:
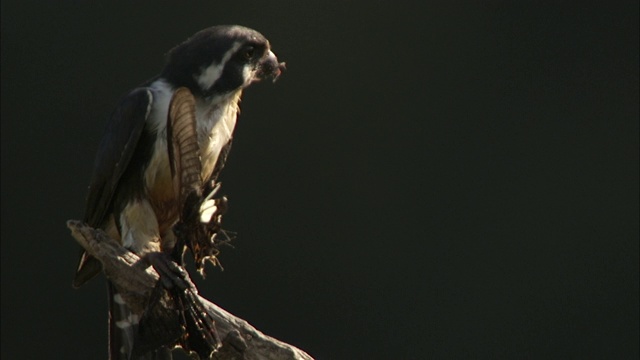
{"x":114,"y":154}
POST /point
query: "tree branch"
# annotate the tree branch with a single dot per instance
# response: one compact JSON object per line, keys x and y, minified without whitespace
{"x":137,"y":280}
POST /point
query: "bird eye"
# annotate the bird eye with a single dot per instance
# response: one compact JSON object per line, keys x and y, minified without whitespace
{"x":248,"y":52}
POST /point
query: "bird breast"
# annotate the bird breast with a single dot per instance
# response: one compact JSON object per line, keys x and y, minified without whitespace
{"x":215,"y":122}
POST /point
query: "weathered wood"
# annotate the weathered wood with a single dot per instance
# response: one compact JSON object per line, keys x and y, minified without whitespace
{"x":135,"y":277}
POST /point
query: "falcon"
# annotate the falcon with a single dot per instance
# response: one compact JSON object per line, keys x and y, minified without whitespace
{"x":135,"y":193}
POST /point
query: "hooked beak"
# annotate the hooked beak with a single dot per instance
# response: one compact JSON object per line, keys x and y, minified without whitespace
{"x":269,"y":67}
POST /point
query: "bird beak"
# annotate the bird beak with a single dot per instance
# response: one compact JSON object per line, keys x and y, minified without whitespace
{"x":269,"y":67}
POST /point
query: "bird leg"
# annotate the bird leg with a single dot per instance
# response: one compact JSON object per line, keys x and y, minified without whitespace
{"x":175,"y":290}
{"x":171,"y":274}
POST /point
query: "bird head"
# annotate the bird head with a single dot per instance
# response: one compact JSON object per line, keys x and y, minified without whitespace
{"x":221,"y":60}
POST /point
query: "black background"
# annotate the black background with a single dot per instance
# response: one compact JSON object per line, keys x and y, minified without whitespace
{"x":433,"y":181}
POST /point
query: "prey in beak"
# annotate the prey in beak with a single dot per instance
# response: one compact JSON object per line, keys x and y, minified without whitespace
{"x":269,"y":67}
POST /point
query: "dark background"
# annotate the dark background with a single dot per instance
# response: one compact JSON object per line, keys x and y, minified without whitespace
{"x":434,"y":181}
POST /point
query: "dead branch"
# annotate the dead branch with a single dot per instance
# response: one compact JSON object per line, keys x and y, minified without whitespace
{"x":137,"y":279}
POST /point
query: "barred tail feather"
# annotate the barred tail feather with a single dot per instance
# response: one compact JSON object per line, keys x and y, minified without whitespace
{"x":123,"y":331}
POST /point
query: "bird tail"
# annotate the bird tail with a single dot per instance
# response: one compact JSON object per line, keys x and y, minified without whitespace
{"x":124,"y":327}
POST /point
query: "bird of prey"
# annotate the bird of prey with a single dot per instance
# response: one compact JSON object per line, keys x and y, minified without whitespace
{"x":133,"y":195}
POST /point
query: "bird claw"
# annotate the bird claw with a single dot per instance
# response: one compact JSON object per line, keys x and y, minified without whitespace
{"x":172,"y":275}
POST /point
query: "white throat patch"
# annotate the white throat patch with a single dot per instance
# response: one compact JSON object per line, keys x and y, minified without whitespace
{"x":211,"y":73}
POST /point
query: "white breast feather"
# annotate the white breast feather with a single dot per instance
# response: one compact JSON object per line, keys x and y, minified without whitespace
{"x":216,"y":120}
{"x":215,"y":128}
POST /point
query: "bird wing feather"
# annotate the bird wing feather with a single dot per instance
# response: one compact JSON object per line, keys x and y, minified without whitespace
{"x":115,"y":152}
{"x":116,"y":149}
